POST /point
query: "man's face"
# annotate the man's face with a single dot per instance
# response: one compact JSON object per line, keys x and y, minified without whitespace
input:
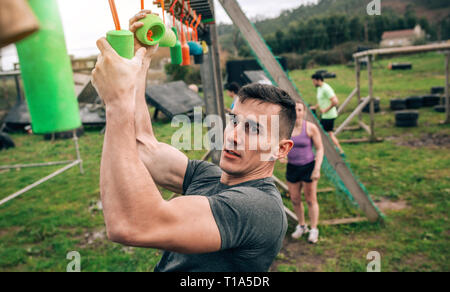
{"x":317,"y":83}
{"x":248,"y":137}
{"x":230,"y":93}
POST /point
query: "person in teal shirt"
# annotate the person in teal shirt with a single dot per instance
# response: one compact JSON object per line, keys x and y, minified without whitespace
{"x":327,"y":103}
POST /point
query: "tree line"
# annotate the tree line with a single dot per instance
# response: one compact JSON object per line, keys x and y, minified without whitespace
{"x":325,"y":33}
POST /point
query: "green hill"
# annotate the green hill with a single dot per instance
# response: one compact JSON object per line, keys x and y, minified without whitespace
{"x":432,"y":10}
{"x":333,"y":22}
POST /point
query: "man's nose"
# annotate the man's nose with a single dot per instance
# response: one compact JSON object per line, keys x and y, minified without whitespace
{"x":235,"y":136}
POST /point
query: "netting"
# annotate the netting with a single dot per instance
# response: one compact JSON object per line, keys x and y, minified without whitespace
{"x":327,"y":168}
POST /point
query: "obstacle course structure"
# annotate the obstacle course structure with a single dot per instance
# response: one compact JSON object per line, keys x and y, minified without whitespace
{"x":213,"y":87}
{"x":340,"y":172}
{"x":368,"y":57}
{"x":181,"y":38}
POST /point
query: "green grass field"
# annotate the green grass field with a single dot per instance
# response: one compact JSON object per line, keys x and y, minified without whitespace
{"x":410,"y":168}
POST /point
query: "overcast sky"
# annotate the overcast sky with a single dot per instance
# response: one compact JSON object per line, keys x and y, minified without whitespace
{"x":85,"y":21}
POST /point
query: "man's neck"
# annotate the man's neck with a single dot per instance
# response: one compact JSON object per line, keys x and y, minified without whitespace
{"x":231,"y":180}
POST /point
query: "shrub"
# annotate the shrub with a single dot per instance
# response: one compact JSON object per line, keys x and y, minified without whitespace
{"x":341,"y":54}
{"x":188,"y":74}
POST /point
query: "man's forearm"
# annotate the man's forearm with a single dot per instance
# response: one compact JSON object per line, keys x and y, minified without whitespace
{"x":329,"y":108}
{"x":143,"y":124}
{"x":152,"y":153}
{"x":128,"y":191}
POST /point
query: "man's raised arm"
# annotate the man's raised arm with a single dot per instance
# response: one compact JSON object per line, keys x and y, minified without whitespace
{"x":135,"y":213}
{"x":124,"y":181}
{"x":153,"y":154}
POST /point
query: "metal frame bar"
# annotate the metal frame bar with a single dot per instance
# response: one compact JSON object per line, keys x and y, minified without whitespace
{"x":43,"y":164}
{"x":73,"y":163}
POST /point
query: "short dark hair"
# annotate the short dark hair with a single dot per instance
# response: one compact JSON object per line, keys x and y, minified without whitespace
{"x":233,"y":87}
{"x":299,"y":101}
{"x":273,"y":95}
{"x":317,"y":76}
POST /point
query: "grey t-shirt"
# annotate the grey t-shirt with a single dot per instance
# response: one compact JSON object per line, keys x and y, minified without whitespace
{"x":250,"y":218}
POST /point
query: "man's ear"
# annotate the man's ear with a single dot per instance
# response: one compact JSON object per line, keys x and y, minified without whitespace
{"x":284,"y":148}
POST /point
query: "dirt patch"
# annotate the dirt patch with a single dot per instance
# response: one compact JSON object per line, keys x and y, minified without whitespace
{"x":300,"y":254}
{"x":5,"y":231}
{"x":386,"y":205}
{"x":415,"y":261}
{"x":95,"y":238}
{"x":427,"y":140}
{"x":304,"y":256}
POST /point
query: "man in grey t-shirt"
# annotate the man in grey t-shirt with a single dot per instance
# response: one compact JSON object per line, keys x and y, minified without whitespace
{"x":250,"y":218}
{"x":231,"y":217}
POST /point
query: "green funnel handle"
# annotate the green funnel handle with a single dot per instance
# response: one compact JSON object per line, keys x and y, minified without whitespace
{"x":169,"y":40}
{"x":122,"y":42}
{"x":153,"y":30}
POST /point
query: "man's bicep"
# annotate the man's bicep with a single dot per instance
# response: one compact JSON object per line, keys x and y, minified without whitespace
{"x":166,"y":164}
{"x":187,"y":226}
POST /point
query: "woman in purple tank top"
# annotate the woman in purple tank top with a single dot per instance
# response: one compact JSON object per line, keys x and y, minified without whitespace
{"x":303,"y":173}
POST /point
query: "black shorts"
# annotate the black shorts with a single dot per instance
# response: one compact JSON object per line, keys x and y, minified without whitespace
{"x":295,"y":174}
{"x":328,"y":125}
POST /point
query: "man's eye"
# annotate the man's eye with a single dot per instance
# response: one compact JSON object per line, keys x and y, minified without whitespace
{"x":251,"y":129}
{"x":254,"y":130}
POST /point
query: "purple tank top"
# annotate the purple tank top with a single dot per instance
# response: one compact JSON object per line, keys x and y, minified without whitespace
{"x":301,"y":154}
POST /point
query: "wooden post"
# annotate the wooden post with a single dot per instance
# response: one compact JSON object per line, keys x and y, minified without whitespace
{"x":212,"y":84}
{"x":404,"y":50}
{"x":5,"y":91}
{"x":155,"y":115}
{"x":217,"y":70}
{"x":347,"y":101}
{"x":277,"y":73}
{"x":447,"y":89}
{"x":352,"y":116}
{"x":19,"y":91}
{"x":209,"y":91}
{"x":365,"y":127}
{"x":358,"y":83}
{"x":372,"y":100}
